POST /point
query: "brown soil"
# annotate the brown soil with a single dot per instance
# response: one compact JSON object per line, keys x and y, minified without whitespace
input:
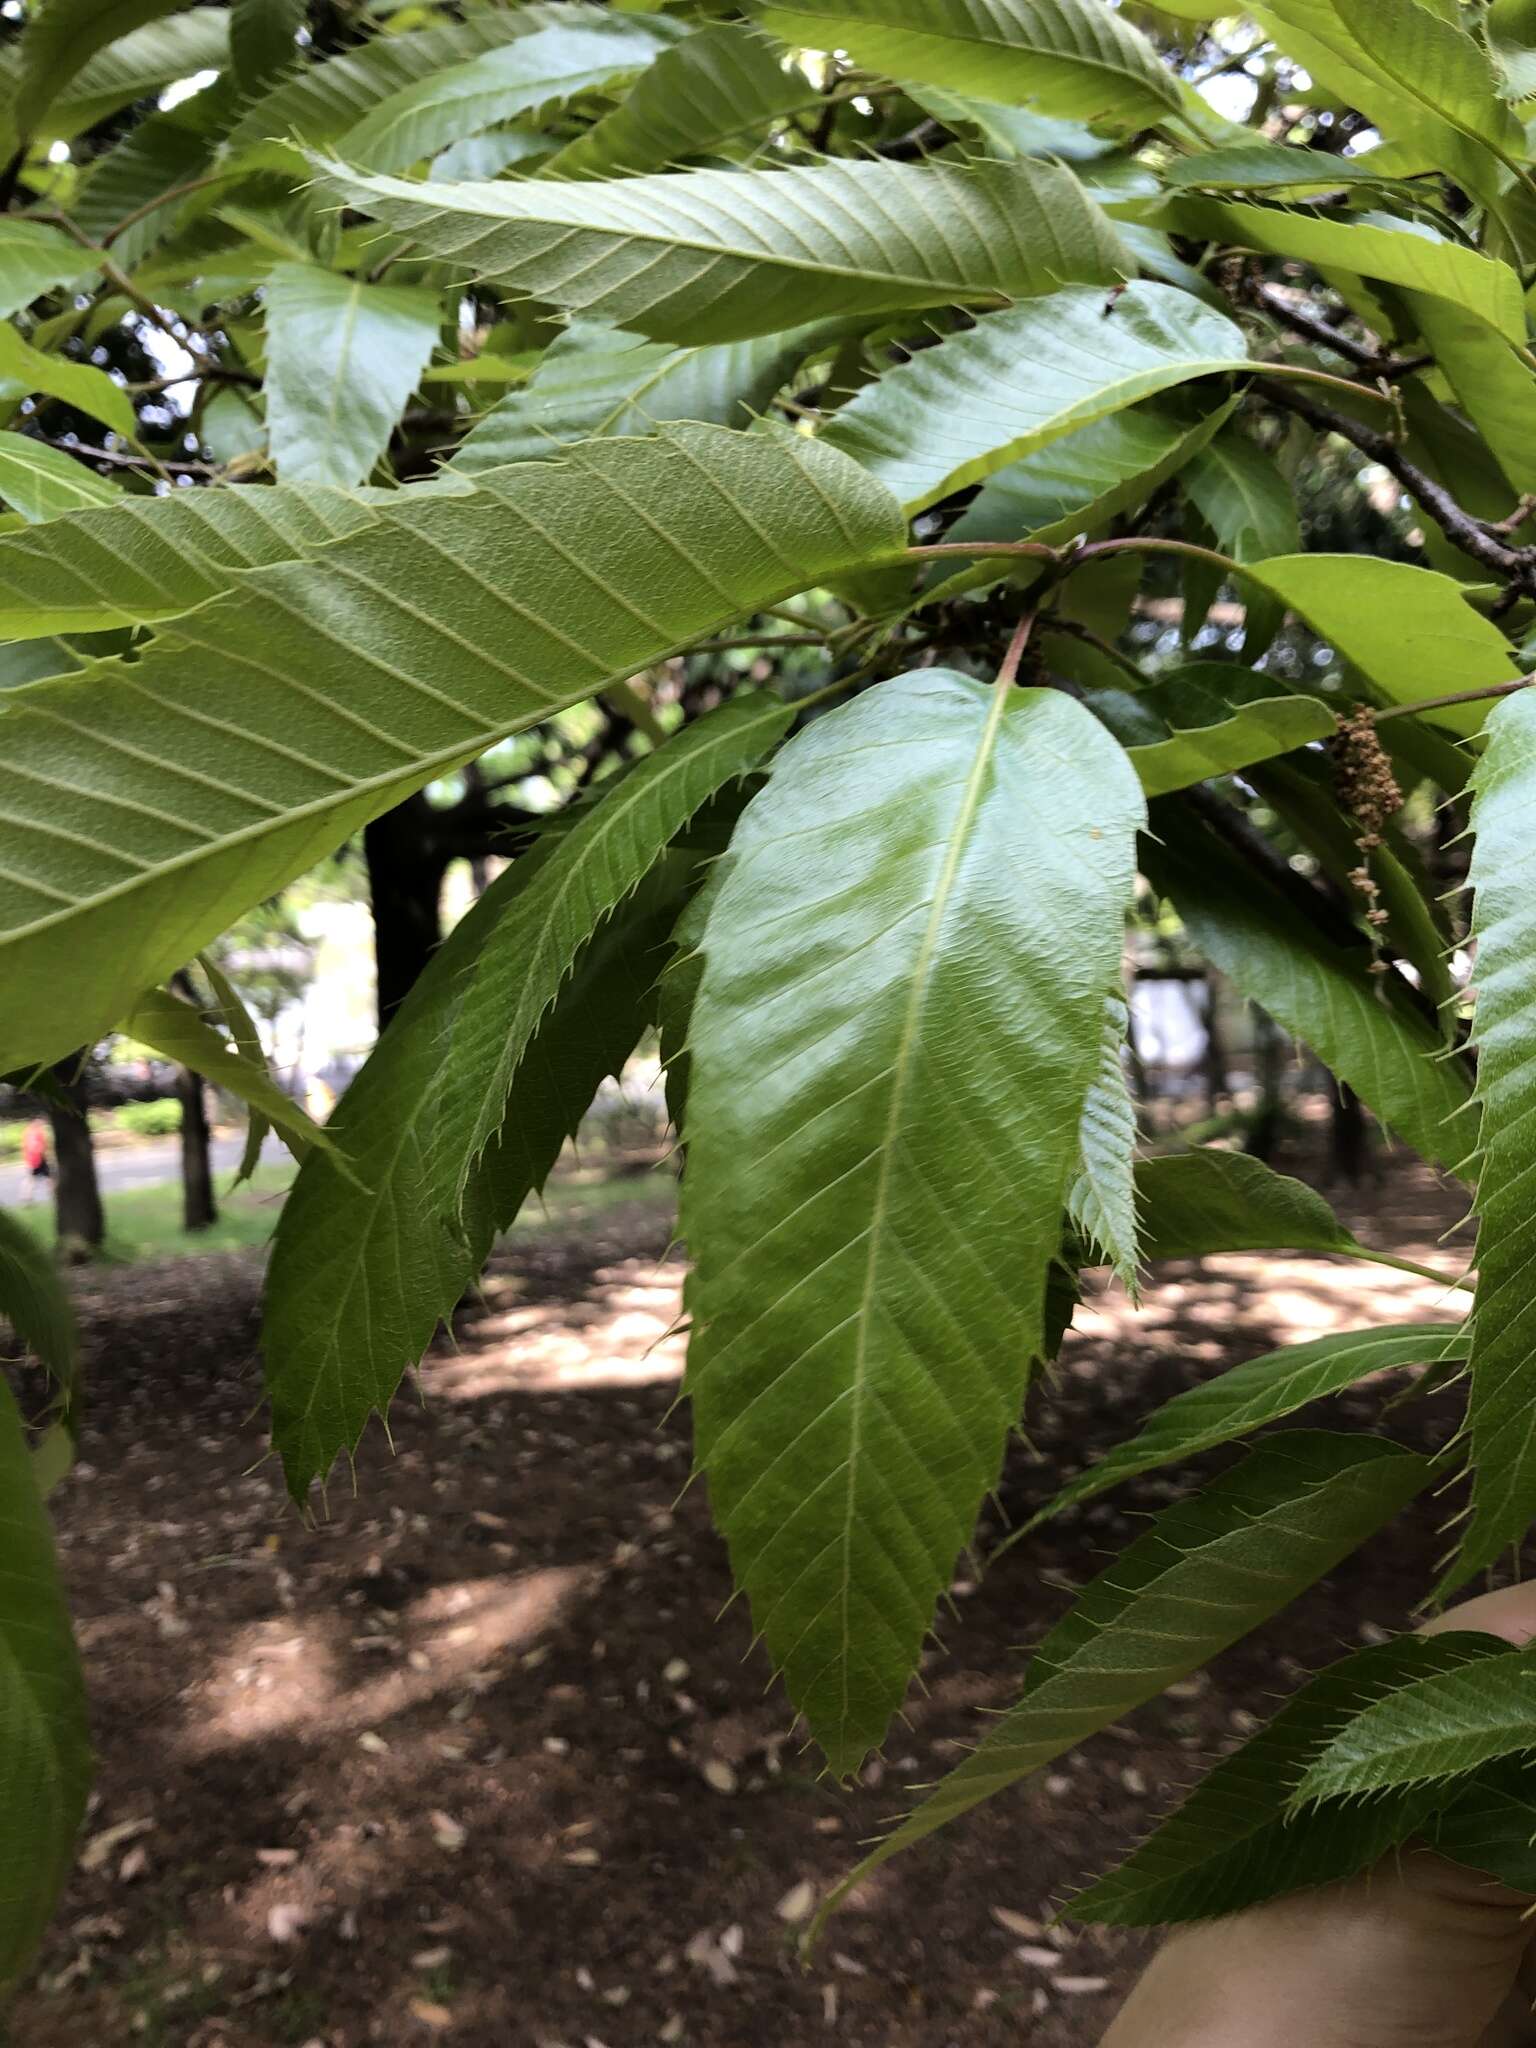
{"x":476,"y":1760}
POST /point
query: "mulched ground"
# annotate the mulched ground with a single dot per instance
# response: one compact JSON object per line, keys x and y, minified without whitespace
{"x":478,"y":1761}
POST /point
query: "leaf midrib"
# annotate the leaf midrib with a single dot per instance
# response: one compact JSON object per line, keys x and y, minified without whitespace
{"x":773,"y":258}
{"x":901,"y":1071}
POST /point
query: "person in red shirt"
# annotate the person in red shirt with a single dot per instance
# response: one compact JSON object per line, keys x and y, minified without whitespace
{"x":34,"y":1158}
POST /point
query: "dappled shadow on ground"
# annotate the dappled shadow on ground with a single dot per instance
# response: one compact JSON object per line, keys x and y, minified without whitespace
{"x":475,"y":1761}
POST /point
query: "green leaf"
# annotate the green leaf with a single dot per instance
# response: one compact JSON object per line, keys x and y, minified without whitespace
{"x":1501,"y":1404}
{"x":1081,"y":481}
{"x":717,"y":86}
{"x":856,"y":1046}
{"x":1073,"y":58}
{"x":1205,"y":1573}
{"x":241,"y":1026}
{"x":1245,"y":1397}
{"x":1233,"y":1843}
{"x":1243,"y":498}
{"x":45,"y":1757}
{"x":146,"y":171}
{"x":41,"y":482}
{"x":953,"y":414}
{"x":363,"y":1269}
{"x":1220,"y":718}
{"x":677,"y":990}
{"x":1316,"y":985}
{"x":30,"y":661}
{"x":1206,"y":1201}
{"x":523,"y":962}
{"x":1102,"y":1200}
{"x":24,"y":370}
{"x":1420,"y":55}
{"x":323,"y":100}
{"x":1401,"y":253}
{"x":61,"y":37}
{"x":1258,"y":166}
{"x":1494,"y":385}
{"x":522,"y":77}
{"x":174,"y":1029}
{"x":596,"y":380}
{"x":179,"y":789}
{"x":343,"y":357}
{"x":140,"y":560}
{"x":1014,"y":131}
{"x":33,"y":1301}
{"x":35,"y":258}
{"x":1491,"y":1825}
{"x":262,"y":39}
{"x":132,"y":68}
{"x":1410,"y":630}
{"x":1434,"y":1728}
{"x":703,"y":256}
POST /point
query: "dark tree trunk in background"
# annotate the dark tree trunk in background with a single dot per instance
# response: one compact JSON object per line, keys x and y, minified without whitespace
{"x":474,"y":791}
{"x":1263,"y":1139}
{"x":81,"y":1225}
{"x":1349,"y":1139}
{"x":405,"y":882}
{"x":1215,"y":1061}
{"x":198,"y":1208}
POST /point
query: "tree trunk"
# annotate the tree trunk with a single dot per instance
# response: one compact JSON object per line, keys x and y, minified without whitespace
{"x":1263,"y":1139}
{"x":405,"y":880}
{"x":1217,"y":1086}
{"x":198,"y":1208}
{"x":1349,"y":1140}
{"x":474,"y":791}
{"x":78,"y":1216}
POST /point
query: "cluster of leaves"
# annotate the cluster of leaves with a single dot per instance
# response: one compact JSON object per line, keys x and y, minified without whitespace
{"x":449,"y":371}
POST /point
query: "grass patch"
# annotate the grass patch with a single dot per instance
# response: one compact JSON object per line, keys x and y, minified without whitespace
{"x":145,"y":1223}
{"x":576,"y":1196}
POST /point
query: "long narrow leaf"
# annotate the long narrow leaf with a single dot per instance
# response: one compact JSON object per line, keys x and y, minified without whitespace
{"x":45,"y":1759}
{"x":33,"y":1301}
{"x":1206,"y":1573}
{"x":523,"y":962}
{"x":171,"y":1027}
{"x":953,"y":414}
{"x":1435,"y":1728}
{"x":711,"y":256}
{"x":1501,"y":1407}
{"x":1318,"y":986}
{"x":723,"y":84}
{"x":1245,"y":1397}
{"x":342,"y":359}
{"x":142,"y":560}
{"x":1076,"y":59}
{"x":1234,"y":1843}
{"x":363,"y":1269}
{"x":1102,"y":1200}
{"x":594,"y":380}
{"x":897,"y":1024}
{"x":143,"y":806}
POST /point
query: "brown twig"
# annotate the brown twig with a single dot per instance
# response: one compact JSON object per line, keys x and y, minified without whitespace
{"x":1375,"y":361}
{"x":1458,"y":526}
{"x":164,"y":199}
{"x":125,"y":461}
{"x":1009,"y":671}
{"x":1485,"y":691}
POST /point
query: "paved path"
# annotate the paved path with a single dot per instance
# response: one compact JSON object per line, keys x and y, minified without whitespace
{"x":119,"y":1167}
